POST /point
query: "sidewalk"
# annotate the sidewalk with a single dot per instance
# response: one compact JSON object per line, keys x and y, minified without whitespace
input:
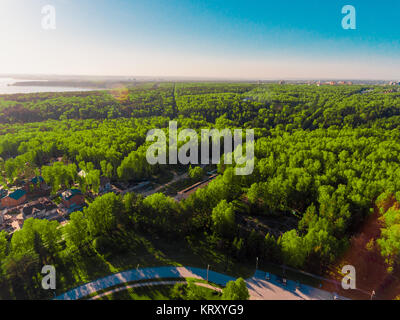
{"x":259,"y":287}
{"x":274,"y":289}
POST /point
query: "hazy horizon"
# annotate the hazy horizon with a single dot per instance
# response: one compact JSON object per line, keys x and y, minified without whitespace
{"x":59,"y":77}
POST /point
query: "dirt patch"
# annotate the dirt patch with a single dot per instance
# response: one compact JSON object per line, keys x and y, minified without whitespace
{"x":273,"y":225}
{"x":371,"y":269}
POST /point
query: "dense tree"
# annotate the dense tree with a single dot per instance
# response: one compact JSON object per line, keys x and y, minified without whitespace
{"x":21,"y":271}
{"x":236,"y":290}
{"x":163,"y":213}
{"x":196,"y":173}
{"x":223,"y":219}
{"x":389,"y":241}
{"x":37,"y":236}
{"x":3,"y":245}
{"x":103,"y":215}
{"x":76,"y":231}
{"x":293,"y":249}
{"x":323,"y":155}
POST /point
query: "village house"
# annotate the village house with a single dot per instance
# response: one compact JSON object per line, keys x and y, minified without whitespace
{"x":18,"y":222}
{"x":3,"y":194}
{"x":40,"y":209}
{"x":2,"y":214}
{"x":71,"y":200}
{"x":35,"y":182}
{"x":105,"y":185}
{"x":13,"y":199}
{"x":10,"y":222}
{"x":34,"y":185}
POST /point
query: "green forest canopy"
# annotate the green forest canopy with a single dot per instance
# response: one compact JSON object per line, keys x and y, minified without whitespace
{"x":325,"y":153}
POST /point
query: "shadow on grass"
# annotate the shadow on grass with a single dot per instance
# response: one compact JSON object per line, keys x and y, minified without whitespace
{"x":145,"y":251}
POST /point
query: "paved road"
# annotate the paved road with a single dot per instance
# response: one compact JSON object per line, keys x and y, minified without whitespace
{"x":156,"y":283}
{"x":259,"y":287}
{"x":136,"y":285}
{"x":273,"y":289}
{"x":144,"y":274}
{"x":175,"y":179}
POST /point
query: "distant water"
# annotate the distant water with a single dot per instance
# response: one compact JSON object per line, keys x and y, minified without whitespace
{"x":6,"y":87}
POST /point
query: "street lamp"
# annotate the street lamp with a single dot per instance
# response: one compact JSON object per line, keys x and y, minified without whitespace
{"x":256,"y":263}
{"x":372,"y":294}
{"x":208,"y":267}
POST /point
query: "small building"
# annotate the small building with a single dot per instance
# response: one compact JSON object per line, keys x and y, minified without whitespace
{"x":140,"y":186}
{"x":184,"y":194}
{"x":41,"y":209}
{"x":37,"y":181}
{"x":2,"y":214}
{"x":14,"y":199}
{"x":72,"y":197}
{"x":35,"y":184}
{"x":82,"y":174}
{"x":17,"y":222}
{"x":105,"y":185}
{"x":3,"y":194}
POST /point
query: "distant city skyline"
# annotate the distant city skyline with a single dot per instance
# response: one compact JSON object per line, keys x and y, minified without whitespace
{"x":82,"y":77}
{"x":262,"y":40}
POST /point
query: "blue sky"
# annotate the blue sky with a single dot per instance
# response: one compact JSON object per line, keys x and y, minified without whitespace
{"x":226,"y":39}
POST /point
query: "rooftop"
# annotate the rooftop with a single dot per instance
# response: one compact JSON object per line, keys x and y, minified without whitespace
{"x":66,"y":195}
{"x":40,"y":205}
{"x":3,"y":193}
{"x":17,"y":194}
{"x":37,"y":179}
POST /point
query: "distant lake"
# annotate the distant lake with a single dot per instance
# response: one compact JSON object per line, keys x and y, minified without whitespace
{"x":6,"y":87}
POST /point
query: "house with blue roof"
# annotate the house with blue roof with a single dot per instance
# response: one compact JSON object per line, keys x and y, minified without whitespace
{"x":14,"y":198}
{"x":35,"y":184}
{"x":3,"y":193}
{"x":73,"y":197}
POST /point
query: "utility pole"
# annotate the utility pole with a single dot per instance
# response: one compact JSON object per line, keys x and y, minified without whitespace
{"x":256,"y":263}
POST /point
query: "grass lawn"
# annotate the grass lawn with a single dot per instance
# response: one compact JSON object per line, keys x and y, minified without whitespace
{"x":79,"y":269}
{"x":158,"y":292}
{"x":144,"y":281}
{"x":151,"y":251}
{"x":142,"y":293}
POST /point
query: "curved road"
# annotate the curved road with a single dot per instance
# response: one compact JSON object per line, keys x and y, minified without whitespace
{"x":259,"y":287}
{"x":157,"y":283}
